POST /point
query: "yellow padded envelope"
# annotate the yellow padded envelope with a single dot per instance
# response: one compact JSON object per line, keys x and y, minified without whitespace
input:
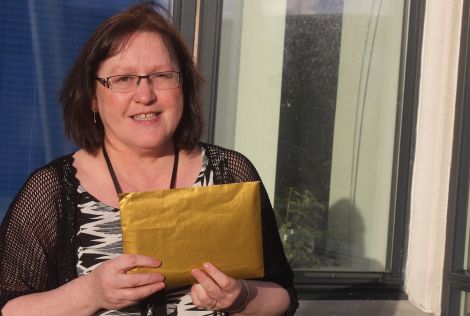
{"x":187,"y":227}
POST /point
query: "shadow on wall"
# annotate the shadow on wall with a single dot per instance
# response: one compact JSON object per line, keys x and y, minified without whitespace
{"x":345,"y":239}
{"x":344,"y":251}
{"x":318,"y":239}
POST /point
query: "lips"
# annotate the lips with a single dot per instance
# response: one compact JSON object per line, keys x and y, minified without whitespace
{"x":146,"y":116}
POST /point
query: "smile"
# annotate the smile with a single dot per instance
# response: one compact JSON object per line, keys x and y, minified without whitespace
{"x":145,"y":116}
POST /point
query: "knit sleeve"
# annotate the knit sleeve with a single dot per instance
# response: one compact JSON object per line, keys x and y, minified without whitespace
{"x":28,"y":237}
{"x":231,"y":166}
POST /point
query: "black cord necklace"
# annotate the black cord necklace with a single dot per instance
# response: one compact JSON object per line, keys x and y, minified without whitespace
{"x":117,"y":186}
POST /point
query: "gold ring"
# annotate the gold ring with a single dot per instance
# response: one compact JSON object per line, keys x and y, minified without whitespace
{"x":212,"y":305}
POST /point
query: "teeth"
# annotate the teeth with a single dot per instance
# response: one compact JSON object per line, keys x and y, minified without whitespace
{"x":145,"y":116}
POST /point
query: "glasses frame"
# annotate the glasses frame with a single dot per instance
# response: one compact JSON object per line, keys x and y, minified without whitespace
{"x":107,"y":84}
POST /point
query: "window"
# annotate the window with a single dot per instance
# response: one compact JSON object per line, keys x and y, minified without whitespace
{"x":39,"y":41}
{"x":311,"y":91}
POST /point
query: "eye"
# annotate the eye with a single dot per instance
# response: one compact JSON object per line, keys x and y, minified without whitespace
{"x":164,"y":75}
{"x":122,"y":79}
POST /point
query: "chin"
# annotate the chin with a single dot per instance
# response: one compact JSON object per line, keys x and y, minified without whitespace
{"x":154,"y":144}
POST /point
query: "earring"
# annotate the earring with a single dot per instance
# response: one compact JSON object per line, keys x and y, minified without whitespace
{"x":94,"y":117}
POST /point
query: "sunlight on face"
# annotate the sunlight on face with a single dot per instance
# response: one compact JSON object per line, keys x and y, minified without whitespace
{"x":144,"y":119}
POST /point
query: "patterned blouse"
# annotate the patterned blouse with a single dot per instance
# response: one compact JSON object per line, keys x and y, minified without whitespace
{"x":100,"y":239}
{"x":52,"y":220}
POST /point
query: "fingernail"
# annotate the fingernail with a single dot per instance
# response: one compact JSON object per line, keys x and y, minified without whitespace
{"x":208,"y":265}
{"x":196,"y":272}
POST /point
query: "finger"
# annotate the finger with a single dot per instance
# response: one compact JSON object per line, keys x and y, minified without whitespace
{"x":128,"y":262}
{"x":206,"y":282}
{"x":226,"y":283}
{"x":209,"y":286}
{"x":195,"y":297}
{"x":201,"y":293}
{"x":137,"y":293}
{"x":201,"y":298}
{"x":138,"y":279}
{"x":200,"y":276}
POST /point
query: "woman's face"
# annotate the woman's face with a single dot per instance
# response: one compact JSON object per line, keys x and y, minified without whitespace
{"x":144,"y":119}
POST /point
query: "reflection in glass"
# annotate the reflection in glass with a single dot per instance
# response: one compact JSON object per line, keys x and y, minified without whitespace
{"x":336,"y":132}
{"x":308,"y":91}
{"x":308,"y":103}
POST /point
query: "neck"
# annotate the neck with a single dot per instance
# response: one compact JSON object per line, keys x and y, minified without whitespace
{"x":142,"y":170}
{"x":139,"y":153}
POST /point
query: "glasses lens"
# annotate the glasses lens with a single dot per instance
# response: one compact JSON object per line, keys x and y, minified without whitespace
{"x":159,"y":81}
{"x":165,"y":80}
{"x":123,"y":83}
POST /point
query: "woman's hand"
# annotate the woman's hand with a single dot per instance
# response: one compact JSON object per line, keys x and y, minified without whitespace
{"x":106,"y":287}
{"x":111,"y":287}
{"x":218,"y":291}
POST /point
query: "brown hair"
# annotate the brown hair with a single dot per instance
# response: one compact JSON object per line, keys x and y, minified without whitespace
{"x":109,"y":39}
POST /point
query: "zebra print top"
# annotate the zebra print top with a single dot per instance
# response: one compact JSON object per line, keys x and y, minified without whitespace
{"x":39,"y":234}
{"x":100,"y":239}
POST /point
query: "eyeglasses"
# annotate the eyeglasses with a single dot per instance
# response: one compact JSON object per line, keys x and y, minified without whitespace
{"x":128,"y":83}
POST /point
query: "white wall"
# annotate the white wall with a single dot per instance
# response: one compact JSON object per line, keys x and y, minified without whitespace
{"x":430,"y":182}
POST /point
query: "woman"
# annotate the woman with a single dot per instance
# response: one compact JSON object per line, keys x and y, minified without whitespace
{"x":132,"y":104}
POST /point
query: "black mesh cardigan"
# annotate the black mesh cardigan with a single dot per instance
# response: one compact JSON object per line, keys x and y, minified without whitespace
{"x":38,"y":244}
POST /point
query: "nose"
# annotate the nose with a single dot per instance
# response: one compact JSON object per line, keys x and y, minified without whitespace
{"x":144,"y":93}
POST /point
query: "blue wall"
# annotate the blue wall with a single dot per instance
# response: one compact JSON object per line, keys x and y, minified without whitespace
{"x":39,"y":40}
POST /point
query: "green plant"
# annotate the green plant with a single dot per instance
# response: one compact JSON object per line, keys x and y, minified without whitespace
{"x":299,"y":215}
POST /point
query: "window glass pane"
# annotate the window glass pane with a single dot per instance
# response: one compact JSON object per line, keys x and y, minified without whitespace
{"x":464,"y":304}
{"x":39,"y":40}
{"x":308,"y":91}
